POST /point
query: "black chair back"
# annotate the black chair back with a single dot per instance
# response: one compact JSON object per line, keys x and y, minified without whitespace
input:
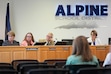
{"x":28,"y":67}
{"x":53,"y":61}
{"x":60,"y":64}
{"x":73,"y":68}
{"x":7,"y":71}
{"x":94,"y":71}
{"x":109,"y":41}
{"x":1,"y":41}
{"x":21,"y":65}
{"x":108,"y":66}
{"x":2,"y":64}
{"x":48,"y":71}
{"x":16,"y":62}
{"x":6,"y":67}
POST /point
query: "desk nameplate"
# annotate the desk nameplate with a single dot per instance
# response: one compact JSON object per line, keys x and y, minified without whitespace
{"x":52,"y":48}
{"x":31,"y":48}
{"x":101,"y":47}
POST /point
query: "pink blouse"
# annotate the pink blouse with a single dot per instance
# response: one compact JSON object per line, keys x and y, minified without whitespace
{"x":24,"y":43}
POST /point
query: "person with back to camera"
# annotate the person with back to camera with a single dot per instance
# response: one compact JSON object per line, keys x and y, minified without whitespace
{"x":81,"y":53}
{"x":107,"y":60}
{"x":28,"y":40}
{"x":94,"y":40}
{"x":10,"y":41}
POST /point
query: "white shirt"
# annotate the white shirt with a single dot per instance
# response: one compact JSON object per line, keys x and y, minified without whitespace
{"x":107,"y":60}
{"x":97,"y":41}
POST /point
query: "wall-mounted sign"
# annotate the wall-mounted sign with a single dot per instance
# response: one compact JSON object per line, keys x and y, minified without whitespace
{"x":86,"y":10}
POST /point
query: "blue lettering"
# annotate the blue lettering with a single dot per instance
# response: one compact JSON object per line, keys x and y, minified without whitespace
{"x":79,"y":8}
{"x":69,"y":11}
{"x":88,"y":10}
{"x":94,"y":10}
{"x":104,"y":10}
{"x":60,"y":10}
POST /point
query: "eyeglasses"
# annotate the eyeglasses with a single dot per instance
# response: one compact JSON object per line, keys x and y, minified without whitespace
{"x":10,"y":36}
{"x":28,"y":36}
{"x":93,"y":35}
{"x":49,"y":36}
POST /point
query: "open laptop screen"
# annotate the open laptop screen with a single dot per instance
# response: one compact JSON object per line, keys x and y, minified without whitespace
{"x":39,"y":43}
{"x":61,"y":43}
{"x":69,"y":41}
{"x":1,"y":41}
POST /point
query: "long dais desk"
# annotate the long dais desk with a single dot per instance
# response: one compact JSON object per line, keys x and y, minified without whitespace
{"x":41,"y":53}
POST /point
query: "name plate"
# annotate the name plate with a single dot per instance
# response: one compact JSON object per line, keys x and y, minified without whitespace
{"x":101,"y":47}
{"x":31,"y":48}
{"x":52,"y":48}
{"x":65,"y":48}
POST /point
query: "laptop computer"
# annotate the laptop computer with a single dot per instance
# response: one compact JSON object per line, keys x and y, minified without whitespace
{"x":61,"y":43}
{"x":1,"y":41}
{"x":39,"y":43}
{"x":69,"y":41}
{"x":89,"y":43}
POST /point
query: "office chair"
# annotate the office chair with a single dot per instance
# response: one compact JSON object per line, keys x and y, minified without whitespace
{"x":21,"y":65}
{"x":1,"y":41}
{"x":28,"y":67}
{"x":94,"y":71}
{"x":53,"y":61}
{"x":74,"y":68}
{"x":2,"y":64}
{"x":6,"y":67}
{"x":16,"y":62}
{"x":7,"y":71}
{"x":48,"y":71}
{"x":60,"y":64}
{"x":108,"y":66}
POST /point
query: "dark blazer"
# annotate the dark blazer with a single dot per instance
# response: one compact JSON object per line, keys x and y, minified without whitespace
{"x":7,"y":43}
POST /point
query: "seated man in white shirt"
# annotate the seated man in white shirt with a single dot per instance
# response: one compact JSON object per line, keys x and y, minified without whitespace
{"x":94,"y":40}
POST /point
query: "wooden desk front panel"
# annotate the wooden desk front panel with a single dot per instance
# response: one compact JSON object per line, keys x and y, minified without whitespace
{"x":7,"y":54}
{"x":62,"y":52}
{"x":101,"y":52}
{"x":31,"y":53}
{"x":41,"y":53}
{"x":44,"y":53}
{"x":53,"y":52}
{"x":93,"y":50}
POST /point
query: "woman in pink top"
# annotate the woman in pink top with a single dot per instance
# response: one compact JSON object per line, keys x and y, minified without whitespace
{"x":28,"y":40}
